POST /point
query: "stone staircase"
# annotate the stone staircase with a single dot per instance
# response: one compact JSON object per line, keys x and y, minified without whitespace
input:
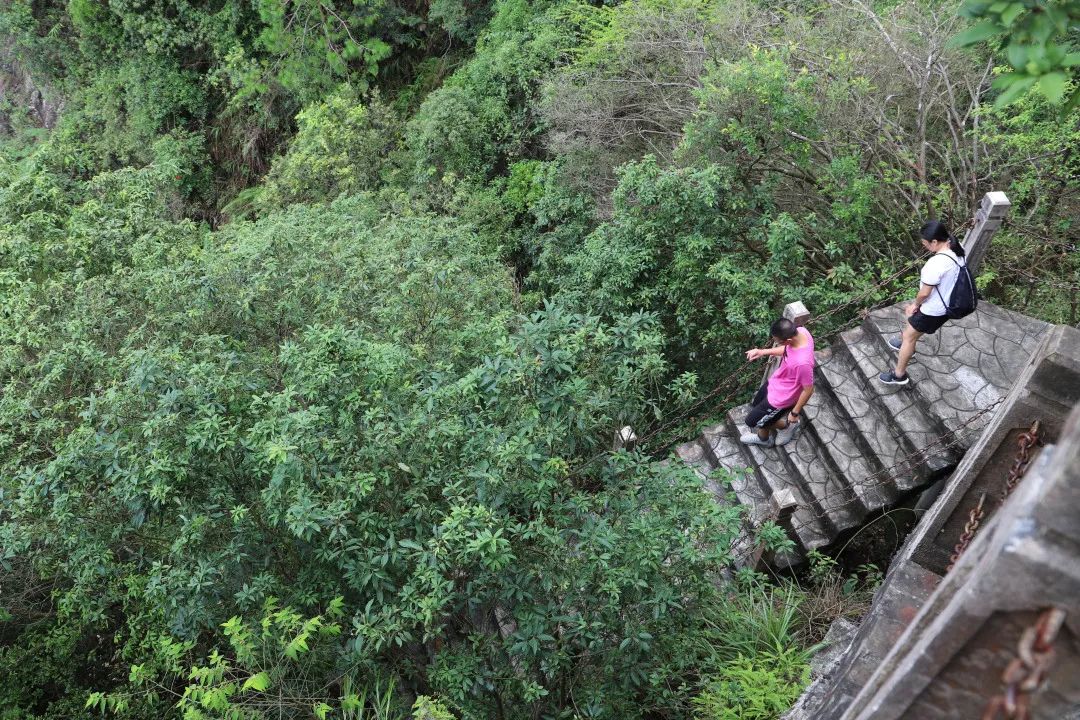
{"x":864,"y":445}
{"x":942,"y":630}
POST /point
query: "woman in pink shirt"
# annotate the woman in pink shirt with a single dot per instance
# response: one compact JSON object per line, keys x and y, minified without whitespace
{"x":778,"y":404}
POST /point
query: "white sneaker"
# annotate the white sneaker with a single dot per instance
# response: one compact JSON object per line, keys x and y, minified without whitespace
{"x":783,"y":437}
{"x":753,"y":439}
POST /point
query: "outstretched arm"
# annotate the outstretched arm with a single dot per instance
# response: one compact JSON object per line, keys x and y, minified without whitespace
{"x":756,"y":353}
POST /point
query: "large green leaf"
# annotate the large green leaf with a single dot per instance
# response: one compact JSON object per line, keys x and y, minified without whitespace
{"x":258,"y":682}
{"x":976,"y":33}
{"x":1012,"y":85}
{"x":1053,"y":85}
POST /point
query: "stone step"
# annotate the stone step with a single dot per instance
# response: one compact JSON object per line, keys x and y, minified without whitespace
{"x":812,"y":531}
{"x":828,"y":460}
{"x":698,"y":458}
{"x":726,"y":452}
{"x":874,"y":432}
{"x":923,"y":439}
{"x":714,"y":450}
{"x":967,"y":365}
{"x":852,"y":432}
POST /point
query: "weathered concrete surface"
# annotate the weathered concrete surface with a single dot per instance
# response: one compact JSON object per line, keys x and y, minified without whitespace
{"x":1046,"y":387}
{"x":949,"y":661}
{"x":769,"y":465}
{"x":895,"y":605}
{"x":823,"y":667}
{"x":988,"y":218}
{"x":906,"y":417}
{"x":837,"y":640}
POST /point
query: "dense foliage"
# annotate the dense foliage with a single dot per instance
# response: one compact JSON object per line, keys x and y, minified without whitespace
{"x":1039,"y":43}
{"x":318,"y":319}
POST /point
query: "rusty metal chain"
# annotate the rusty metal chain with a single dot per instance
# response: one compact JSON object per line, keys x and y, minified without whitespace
{"x":974,"y":518}
{"x":1025,"y":442}
{"x":1026,"y":674}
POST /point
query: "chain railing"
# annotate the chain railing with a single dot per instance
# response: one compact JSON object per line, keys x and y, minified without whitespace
{"x":1026,"y":442}
{"x":1026,"y":674}
{"x":975,"y":517}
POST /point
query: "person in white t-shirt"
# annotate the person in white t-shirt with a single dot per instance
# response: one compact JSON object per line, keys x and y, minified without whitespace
{"x":927,"y":313}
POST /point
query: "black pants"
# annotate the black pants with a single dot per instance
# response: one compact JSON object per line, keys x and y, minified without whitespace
{"x":762,"y":414}
{"x":928,"y":324}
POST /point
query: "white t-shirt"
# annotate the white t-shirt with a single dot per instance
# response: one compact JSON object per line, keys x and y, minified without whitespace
{"x":942,"y":273}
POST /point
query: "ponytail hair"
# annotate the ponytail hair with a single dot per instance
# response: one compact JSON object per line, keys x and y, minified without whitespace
{"x":935,"y":230}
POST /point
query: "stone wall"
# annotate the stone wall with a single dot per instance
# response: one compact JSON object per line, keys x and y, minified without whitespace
{"x":951,"y":660}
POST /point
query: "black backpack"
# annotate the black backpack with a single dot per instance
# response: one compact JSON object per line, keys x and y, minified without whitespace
{"x":965,"y":297}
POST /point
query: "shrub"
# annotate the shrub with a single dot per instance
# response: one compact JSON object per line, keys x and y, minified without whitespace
{"x":340,"y":148}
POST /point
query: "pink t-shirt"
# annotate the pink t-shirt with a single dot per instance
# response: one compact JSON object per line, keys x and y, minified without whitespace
{"x":796,"y":372}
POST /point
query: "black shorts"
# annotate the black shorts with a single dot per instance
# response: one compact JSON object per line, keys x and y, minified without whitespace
{"x":927,"y":324}
{"x":762,"y":414}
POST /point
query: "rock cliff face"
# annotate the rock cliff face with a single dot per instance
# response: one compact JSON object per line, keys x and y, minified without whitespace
{"x":23,"y":98}
{"x":864,"y":444}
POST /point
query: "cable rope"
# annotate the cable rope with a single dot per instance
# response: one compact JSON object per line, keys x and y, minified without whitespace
{"x":1023,"y":272}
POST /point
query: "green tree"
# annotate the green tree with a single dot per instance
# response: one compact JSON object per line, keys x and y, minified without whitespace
{"x":323,"y":404}
{"x":1038,"y":39}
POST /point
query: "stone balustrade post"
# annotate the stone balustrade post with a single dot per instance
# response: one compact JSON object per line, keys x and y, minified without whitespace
{"x":782,"y":508}
{"x":988,"y":218}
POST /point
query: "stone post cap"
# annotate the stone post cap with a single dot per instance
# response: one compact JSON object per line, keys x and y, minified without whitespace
{"x":625,"y":439}
{"x":797,"y":313}
{"x":782,"y":500}
{"x":996,"y":198}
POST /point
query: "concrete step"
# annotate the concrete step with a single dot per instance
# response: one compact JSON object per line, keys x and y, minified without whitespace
{"x":830,"y":461}
{"x":967,"y":365}
{"x":924,"y":451}
{"x":698,"y":458}
{"x":811,"y":529}
{"x":726,"y":452}
{"x":716,"y":450}
{"x":876,"y":443}
{"x":744,"y":488}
